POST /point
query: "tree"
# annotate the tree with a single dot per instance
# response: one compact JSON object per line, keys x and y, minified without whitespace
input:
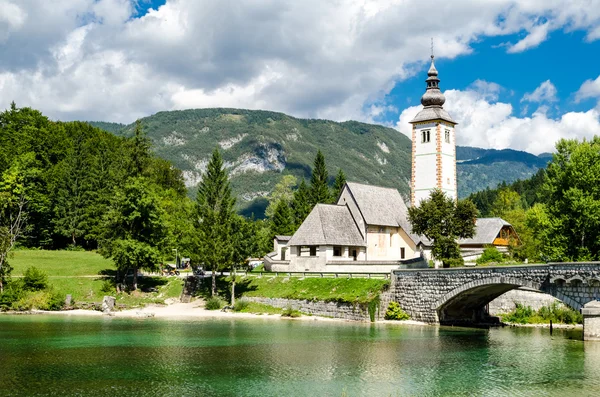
{"x":13,"y":211}
{"x":283,"y":220}
{"x":507,"y":200}
{"x":319,"y":188}
{"x":301,"y":204}
{"x":281,"y":191}
{"x":340,"y":181}
{"x":443,"y":221}
{"x":214,"y":207}
{"x":135,"y":228}
{"x":140,"y":150}
{"x":243,"y":232}
{"x":568,"y":223}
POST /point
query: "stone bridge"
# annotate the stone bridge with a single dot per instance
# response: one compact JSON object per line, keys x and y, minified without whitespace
{"x":460,"y":295}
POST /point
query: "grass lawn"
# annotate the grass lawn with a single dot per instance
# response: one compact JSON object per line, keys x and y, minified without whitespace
{"x":60,"y":263}
{"x":354,"y":290}
{"x":260,"y":308}
{"x":68,"y":273}
{"x":90,"y":290}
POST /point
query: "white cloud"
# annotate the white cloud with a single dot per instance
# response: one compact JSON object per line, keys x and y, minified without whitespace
{"x":536,"y":36}
{"x":491,"y":124}
{"x":589,"y":89}
{"x":89,"y":59}
{"x":546,"y":92}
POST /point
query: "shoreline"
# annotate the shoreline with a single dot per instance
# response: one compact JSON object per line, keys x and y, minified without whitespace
{"x":195,"y":310}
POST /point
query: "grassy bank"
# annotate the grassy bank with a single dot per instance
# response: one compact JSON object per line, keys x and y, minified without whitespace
{"x":83,"y":275}
{"x":354,"y":290}
{"x":556,"y":313}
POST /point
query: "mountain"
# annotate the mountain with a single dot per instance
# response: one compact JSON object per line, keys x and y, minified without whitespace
{"x":259,"y":146}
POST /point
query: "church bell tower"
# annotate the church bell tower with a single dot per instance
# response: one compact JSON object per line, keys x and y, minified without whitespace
{"x":433,"y":144}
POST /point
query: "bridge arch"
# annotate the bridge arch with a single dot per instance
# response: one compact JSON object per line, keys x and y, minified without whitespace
{"x":466,"y":303}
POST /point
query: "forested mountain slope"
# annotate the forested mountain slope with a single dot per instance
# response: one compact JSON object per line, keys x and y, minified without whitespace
{"x":259,"y":146}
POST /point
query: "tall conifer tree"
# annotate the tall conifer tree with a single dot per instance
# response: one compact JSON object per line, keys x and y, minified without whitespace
{"x":214,"y":206}
{"x":319,"y":188}
{"x":301,"y":203}
{"x":283,"y":221}
{"x":340,"y":181}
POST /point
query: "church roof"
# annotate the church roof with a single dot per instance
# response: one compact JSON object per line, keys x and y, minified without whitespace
{"x":328,"y":225}
{"x":486,"y":231}
{"x":381,"y":206}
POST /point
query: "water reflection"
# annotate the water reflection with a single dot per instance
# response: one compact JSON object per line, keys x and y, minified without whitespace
{"x":150,"y":357}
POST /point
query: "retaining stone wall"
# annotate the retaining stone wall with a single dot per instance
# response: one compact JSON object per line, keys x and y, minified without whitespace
{"x":507,"y":302}
{"x":344,"y":311}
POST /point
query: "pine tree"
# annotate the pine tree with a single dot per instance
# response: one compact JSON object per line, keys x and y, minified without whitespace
{"x":319,"y":188}
{"x":301,"y":204}
{"x":283,"y":221}
{"x":214,"y":206}
{"x":340,"y":181}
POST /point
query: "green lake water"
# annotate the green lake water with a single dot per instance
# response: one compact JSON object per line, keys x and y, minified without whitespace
{"x":56,"y":356}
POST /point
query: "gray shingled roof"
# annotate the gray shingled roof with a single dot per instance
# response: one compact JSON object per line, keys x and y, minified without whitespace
{"x":382,"y":206}
{"x":486,"y":231}
{"x":328,"y":225}
{"x":279,"y":237}
{"x":432,"y":113}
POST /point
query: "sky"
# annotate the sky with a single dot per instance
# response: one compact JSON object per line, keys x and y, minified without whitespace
{"x":516,"y":74}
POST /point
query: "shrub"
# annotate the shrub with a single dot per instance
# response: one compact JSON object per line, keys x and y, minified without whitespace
{"x":214,"y":303}
{"x":240,"y":305}
{"x":289,"y":312}
{"x":108,"y":287}
{"x":395,"y":312}
{"x":35,"y":279}
{"x":453,"y":262}
{"x":13,"y":291}
{"x":39,"y":300}
{"x":490,"y":254}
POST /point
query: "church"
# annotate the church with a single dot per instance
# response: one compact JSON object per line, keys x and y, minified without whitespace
{"x":367,"y":229}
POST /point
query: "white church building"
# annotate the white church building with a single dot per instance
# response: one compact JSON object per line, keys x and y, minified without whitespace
{"x":367,"y":229}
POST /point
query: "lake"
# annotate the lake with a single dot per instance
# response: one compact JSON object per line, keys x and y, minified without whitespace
{"x":54,"y":355}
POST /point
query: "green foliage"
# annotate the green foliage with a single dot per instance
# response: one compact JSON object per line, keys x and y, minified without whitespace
{"x":319,"y":187}
{"x":290,"y":312}
{"x":214,"y":303}
{"x":568,"y":222}
{"x":39,"y":300}
{"x":556,"y":313}
{"x":35,"y":279}
{"x":490,"y":254}
{"x":454,"y":262}
{"x":71,"y":173}
{"x":108,"y":287}
{"x":283,"y":221}
{"x":395,"y":312}
{"x":240,"y":305}
{"x":283,"y":191}
{"x":214,"y":208}
{"x":338,"y":185}
{"x":373,"y":307}
{"x":443,"y":221}
{"x":301,"y":203}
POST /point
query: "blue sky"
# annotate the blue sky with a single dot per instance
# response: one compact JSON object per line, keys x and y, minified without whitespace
{"x":515,"y":74}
